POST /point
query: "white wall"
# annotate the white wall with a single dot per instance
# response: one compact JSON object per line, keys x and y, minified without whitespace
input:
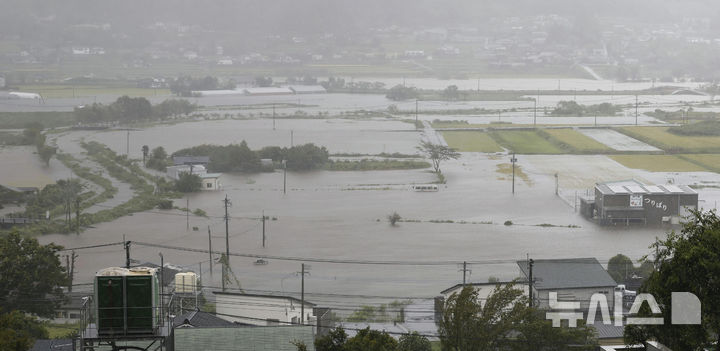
{"x":258,"y":310}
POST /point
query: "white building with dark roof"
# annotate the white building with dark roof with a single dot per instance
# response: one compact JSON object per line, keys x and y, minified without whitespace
{"x":573,"y":279}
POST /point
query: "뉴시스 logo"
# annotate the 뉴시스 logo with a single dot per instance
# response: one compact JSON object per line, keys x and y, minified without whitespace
{"x":685,"y":308}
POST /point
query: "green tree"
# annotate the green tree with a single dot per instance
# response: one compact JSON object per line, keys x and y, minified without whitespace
{"x":32,"y":276}
{"x":371,"y":340}
{"x":688,"y":261}
{"x":620,"y":268}
{"x":437,"y":153}
{"x":306,"y":157}
{"x":414,"y":342}
{"x":451,"y":92}
{"x":145,"y":152}
{"x":334,"y":341}
{"x":504,"y":321}
{"x":188,"y":183}
{"x":394,"y":218}
{"x":126,"y":108}
{"x":18,"y":331}
{"x":401,"y":92}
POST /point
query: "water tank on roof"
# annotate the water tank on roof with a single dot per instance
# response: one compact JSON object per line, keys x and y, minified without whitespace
{"x":186,"y":283}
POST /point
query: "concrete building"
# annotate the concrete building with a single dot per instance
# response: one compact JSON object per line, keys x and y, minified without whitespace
{"x":255,"y":309}
{"x":573,"y":279}
{"x":211,"y":181}
{"x":631,"y":201}
{"x":174,"y":172}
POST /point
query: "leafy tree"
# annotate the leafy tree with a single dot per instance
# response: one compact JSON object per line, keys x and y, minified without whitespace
{"x":18,"y":331}
{"x":306,"y":157}
{"x":414,"y":342}
{"x":620,"y":268}
{"x":688,"y":261}
{"x":451,"y":92}
{"x":401,"y":92}
{"x":159,"y":153}
{"x":394,"y":218}
{"x":32,"y":276}
{"x":299,"y":344}
{"x":158,"y":159}
{"x":188,"y":183}
{"x":126,"y":108}
{"x":334,"y":341}
{"x":504,"y":321}
{"x":437,"y":153}
{"x":263,"y":81}
{"x":371,"y":340}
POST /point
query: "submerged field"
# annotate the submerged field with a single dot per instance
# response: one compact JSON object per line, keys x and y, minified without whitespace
{"x":661,"y":138}
{"x":658,"y":163}
{"x":471,"y":141}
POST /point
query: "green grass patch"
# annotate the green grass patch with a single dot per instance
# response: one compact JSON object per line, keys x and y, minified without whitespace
{"x":572,"y":139}
{"x":506,"y":170}
{"x":375,"y":165}
{"x":710,"y":162}
{"x":57,"y":331}
{"x":18,"y":120}
{"x":661,"y":138}
{"x":525,"y":142}
{"x":471,"y":141}
{"x":658,"y":163}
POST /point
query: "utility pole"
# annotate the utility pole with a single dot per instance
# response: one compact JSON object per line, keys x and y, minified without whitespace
{"x":596,"y":119}
{"x":416,"y":114}
{"x":535,"y":114}
{"x":302,"y":292}
{"x":227,"y":241}
{"x":273,"y":116}
{"x":284,"y":162}
{"x":263,"y":226}
{"x":556,"y":184}
{"x":127,"y":253}
{"x":210,"y":252}
{"x":636,"y":109}
{"x":162,"y":283}
{"x":513,"y":160}
{"x":292,"y":142}
{"x":465,"y":270}
{"x":187,"y":213}
{"x":127,"y":144}
{"x":530,"y":280}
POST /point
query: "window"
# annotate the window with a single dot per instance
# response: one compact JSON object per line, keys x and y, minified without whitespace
{"x":209,"y":185}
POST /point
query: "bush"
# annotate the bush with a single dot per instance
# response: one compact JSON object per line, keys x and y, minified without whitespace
{"x":508,"y":222}
{"x":165,"y":204}
{"x":394,"y":218}
{"x":188,"y":183}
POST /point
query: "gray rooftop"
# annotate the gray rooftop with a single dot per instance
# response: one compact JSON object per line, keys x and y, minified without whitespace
{"x":200,"y":319}
{"x":633,"y":186}
{"x":191,"y":160}
{"x":568,"y":273}
{"x":53,"y":345}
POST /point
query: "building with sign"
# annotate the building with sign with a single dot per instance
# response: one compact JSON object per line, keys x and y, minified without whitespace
{"x":632,"y":202}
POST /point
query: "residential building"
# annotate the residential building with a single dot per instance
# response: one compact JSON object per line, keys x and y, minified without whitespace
{"x":191,"y":160}
{"x":210,"y":181}
{"x":256,"y":309}
{"x":573,"y":279}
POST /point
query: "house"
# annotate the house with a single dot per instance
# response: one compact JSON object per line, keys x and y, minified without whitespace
{"x":266,"y":91}
{"x":174,"y":172}
{"x":630,"y":201}
{"x":609,"y":334}
{"x":70,"y":310}
{"x":573,"y":279}
{"x":191,"y":160}
{"x":200,"y":319}
{"x":243,"y":338}
{"x":307,"y":89}
{"x":257,"y":309}
{"x":211,"y":181}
